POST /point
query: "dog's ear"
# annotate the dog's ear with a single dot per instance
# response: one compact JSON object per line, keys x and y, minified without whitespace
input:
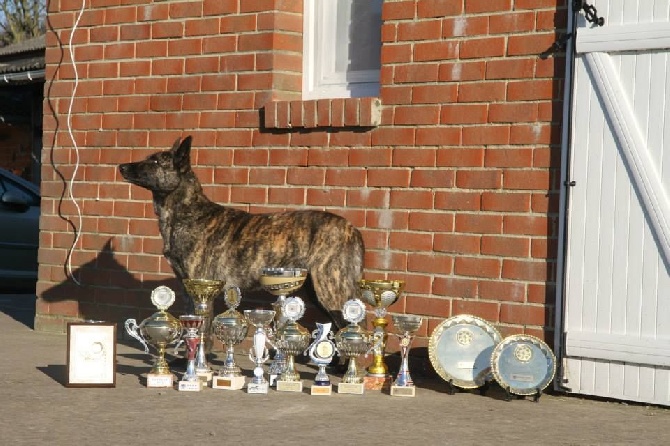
{"x":181,"y":153}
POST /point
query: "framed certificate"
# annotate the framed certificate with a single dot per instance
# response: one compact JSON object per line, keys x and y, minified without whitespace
{"x":91,"y":354}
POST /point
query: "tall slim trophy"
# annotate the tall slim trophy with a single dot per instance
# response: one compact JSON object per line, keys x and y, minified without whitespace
{"x":261,"y":320}
{"x":230,"y":327}
{"x":158,"y":330}
{"x":292,"y":339}
{"x":353,"y":341}
{"x":280,"y":282}
{"x":192,"y":324}
{"x":321,"y":351}
{"x":380,"y":294}
{"x":203,"y":292}
{"x":406,"y":325}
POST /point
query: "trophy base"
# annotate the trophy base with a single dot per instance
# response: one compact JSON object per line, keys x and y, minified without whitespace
{"x":228,"y":382}
{"x":190,"y":386}
{"x":257,"y":388}
{"x":273,"y":379}
{"x":351,"y":388}
{"x":321,"y":390}
{"x":289,"y":386}
{"x":160,"y":380}
{"x":377,"y":382}
{"x":205,"y":377}
{"x":403,"y":391}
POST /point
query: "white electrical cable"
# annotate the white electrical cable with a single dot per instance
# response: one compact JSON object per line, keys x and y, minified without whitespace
{"x":77,"y":229}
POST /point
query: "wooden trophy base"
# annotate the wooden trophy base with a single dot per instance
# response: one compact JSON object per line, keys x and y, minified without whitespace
{"x":406,"y":391}
{"x":321,"y":390}
{"x":289,"y":386}
{"x":351,"y":388}
{"x":377,"y":382}
{"x":228,"y":382}
{"x":189,"y":386}
{"x":160,"y":380}
{"x":257,"y":388}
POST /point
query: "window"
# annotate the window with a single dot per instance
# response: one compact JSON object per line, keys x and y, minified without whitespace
{"x":342,"y":46}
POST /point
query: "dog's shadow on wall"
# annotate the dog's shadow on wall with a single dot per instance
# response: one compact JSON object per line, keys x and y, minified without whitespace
{"x":105,"y":290}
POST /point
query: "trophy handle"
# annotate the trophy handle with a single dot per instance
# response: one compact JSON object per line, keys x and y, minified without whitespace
{"x":176,"y":347}
{"x":133,"y":330}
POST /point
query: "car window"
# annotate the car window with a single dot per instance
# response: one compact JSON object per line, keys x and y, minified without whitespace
{"x":6,"y":185}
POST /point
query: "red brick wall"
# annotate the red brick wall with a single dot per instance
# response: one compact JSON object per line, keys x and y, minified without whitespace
{"x":455,"y":190}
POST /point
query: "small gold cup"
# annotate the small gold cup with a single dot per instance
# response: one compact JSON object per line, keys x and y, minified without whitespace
{"x":380,"y":294}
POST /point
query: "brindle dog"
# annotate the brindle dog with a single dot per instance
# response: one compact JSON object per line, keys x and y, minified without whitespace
{"x":205,"y":240}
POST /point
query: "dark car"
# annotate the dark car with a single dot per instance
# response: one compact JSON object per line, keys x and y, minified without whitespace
{"x":19,"y":232}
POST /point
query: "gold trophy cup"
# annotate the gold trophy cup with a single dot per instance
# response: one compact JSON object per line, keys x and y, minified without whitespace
{"x":380,"y":294}
{"x":203,"y":292}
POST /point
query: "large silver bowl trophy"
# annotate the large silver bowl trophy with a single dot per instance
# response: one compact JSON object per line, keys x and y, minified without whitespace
{"x":192,"y":324}
{"x":158,"y":330}
{"x":353,"y":341}
{"x":203,"y":292}
{"x":280,"y":282}
{"x":406,"y":326}
{"x":230,"y":327}
{"x":292,"y":339}
{"x":321,"y":352}
{"x":261,"y":320}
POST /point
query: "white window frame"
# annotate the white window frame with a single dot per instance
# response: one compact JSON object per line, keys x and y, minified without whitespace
{"x":320,"y":77}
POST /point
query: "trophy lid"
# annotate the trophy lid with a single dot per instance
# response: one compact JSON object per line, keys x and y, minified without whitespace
{"x":293,"y":308}
{"x":460,"y":350}
{"x":233,"y":297}
{"x":162,"y":297}
{"x":523,"y":364}
{"x":353,"y":311}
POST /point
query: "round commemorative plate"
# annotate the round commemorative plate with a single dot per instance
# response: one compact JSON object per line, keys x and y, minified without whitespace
{"x":460,"y":350}
{"x":523,"y":364}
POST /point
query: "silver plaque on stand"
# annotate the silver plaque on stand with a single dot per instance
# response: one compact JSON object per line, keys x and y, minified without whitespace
{"x":460,"y":350}
{"x":523,"y":365}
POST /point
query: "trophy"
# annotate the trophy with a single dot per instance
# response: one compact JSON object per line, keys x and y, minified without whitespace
{"x":203,"y":292}
{"x":406,"y":325}
{"x":321,"y":351}
{"x":261,"y":320}
{"x":159,"y":330}
{"x":380,"y":294}
{"x":280,"y":282}
{"x":351,"y":342}
{"x":230,"y":327}
{"x":292,"y":339}
{"x":192,"y":324}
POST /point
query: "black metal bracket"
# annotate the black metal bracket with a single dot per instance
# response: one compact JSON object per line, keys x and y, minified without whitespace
{"x":558,"y":45}
{"x":590,"y":12}
{"x":572,"y":183}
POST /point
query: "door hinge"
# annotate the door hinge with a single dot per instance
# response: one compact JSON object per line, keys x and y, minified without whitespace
{"x":572,"y":183}
{"x":590,"y":12}
{"x":558,"y":45}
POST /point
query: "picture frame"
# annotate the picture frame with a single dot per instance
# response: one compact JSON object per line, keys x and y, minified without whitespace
{"x":91,"y":354}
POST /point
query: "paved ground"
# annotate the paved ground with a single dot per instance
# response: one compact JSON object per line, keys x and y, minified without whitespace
{"x":36,"y":408}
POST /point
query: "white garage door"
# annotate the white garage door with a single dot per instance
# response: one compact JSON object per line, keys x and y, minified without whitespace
{"x":616,"y":317}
